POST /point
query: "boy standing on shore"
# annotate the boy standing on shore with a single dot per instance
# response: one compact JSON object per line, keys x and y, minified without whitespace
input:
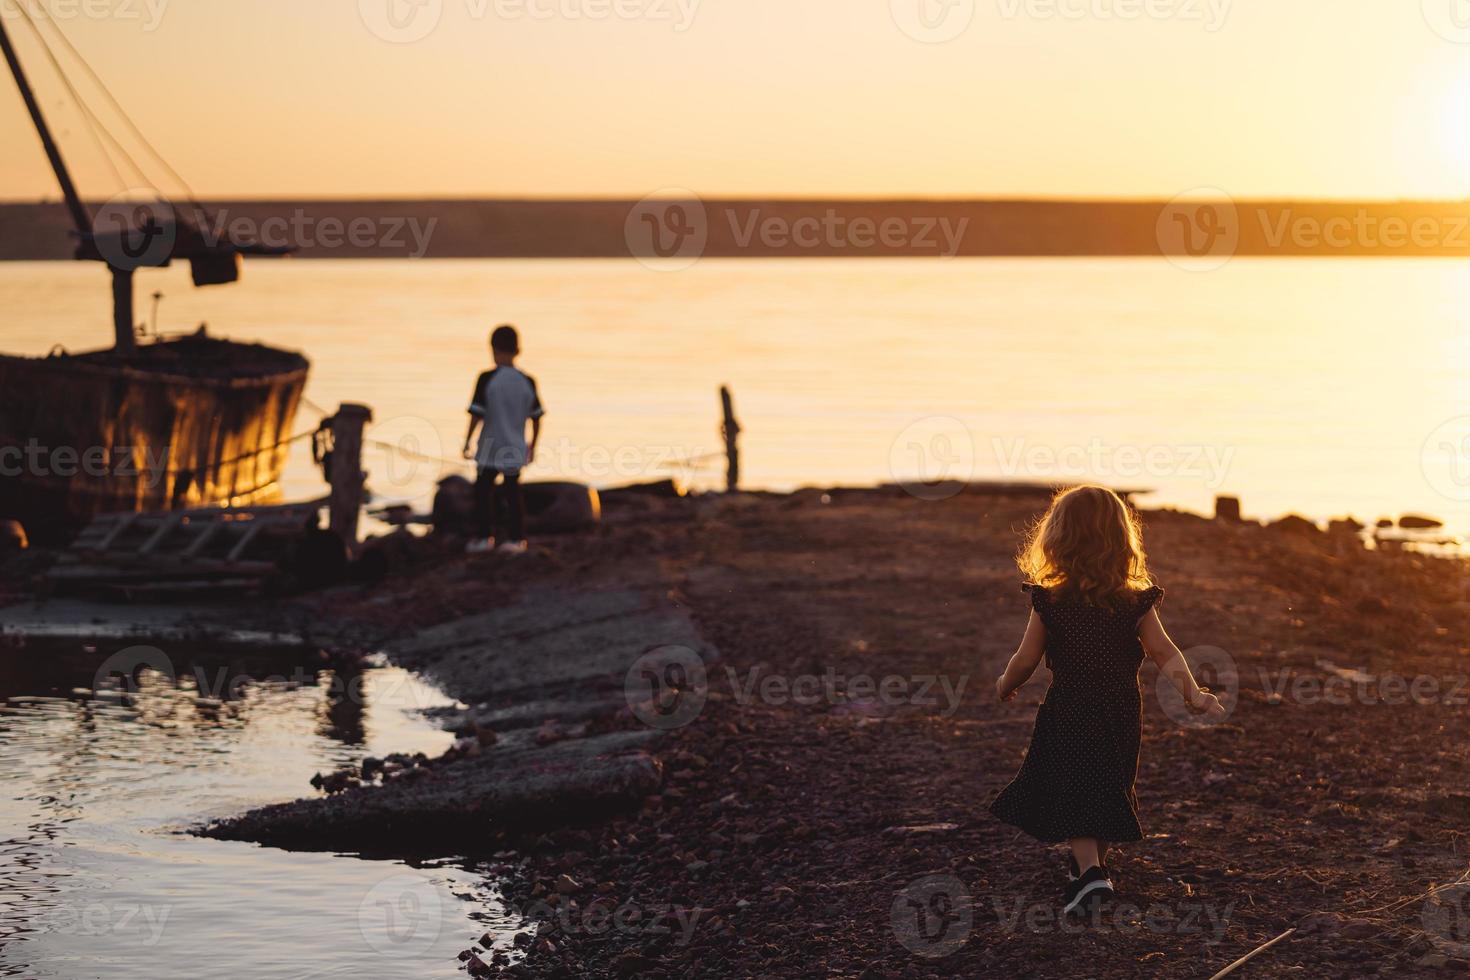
{"x":505,"y":399}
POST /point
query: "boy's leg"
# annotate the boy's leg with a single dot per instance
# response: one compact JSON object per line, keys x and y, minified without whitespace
{"x":485,"y":502}
{"x":516,"y":505}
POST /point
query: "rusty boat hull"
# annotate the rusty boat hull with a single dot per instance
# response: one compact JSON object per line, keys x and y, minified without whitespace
{"x":186,"y":422}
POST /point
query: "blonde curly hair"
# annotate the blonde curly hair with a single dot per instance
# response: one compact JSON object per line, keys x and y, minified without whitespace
{"x":1088,"y":546}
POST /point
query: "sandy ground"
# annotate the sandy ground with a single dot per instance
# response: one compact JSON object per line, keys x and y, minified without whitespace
{"x":819,"y":803}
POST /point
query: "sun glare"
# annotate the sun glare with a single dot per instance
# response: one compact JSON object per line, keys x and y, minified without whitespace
{"x":1454,"y":135}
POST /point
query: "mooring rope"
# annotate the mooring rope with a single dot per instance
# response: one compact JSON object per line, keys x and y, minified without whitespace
{"x":172,"y":471}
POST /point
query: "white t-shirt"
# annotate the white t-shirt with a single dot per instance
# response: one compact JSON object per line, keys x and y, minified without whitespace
{"x":505,"y":400}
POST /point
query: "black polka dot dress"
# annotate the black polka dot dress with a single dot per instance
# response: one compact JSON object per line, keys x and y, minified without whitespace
{"x":1077,"y":777}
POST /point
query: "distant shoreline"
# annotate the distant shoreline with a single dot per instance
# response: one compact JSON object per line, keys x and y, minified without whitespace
{"x":1196,"y":231}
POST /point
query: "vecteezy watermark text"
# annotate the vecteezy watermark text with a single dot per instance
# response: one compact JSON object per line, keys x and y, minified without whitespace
{"x":106,"y":919}
{"x":1210,"y":14}
{"x":1101,"y":460}
{"x":1364,"y":230}
{"x":1203,"y":229}
{"x":1159,"y":918}
{"x":941,"y":21}
{"x":668,"y":687}
{"x":1330,"y":685}
{"x":600,"y":917}
{"x":673,"y":228}
{"x":409,"y":21}
{"x":36,"y":460}
{"x":405,"y":234}
{"x":138,"y":668}
{"x":934,"y":458}
{"x":838,"y":232}
{"x":621,"y":462}
{"x":834,"y":687}
{"x":147,"y":12}
{"x":1343,"y":688}
{"x":678,"y":13}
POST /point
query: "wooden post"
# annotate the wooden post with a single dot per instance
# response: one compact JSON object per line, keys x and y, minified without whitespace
{"x":126,"y":341}
{"x":1227,"y":509}
{"x":730,"y":429}
{"x":346,"y":475}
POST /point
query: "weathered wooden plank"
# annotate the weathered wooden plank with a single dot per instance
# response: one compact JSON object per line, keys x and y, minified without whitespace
{"x":245,"y":541}
{"x":123,"y":523}
{"x":142,"y":590}
{"x":201,"y":569}
{"x":205,"y":535}
{"x":163,"y":531}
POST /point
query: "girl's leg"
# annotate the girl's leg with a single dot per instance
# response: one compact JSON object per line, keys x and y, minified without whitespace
{"x":1085,"y":851}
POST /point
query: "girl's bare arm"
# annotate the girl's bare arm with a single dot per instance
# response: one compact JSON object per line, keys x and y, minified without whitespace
{"x":1163,"y":651}
{"x":1025,"y":660}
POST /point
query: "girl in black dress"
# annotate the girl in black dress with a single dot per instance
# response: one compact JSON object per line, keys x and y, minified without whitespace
{"x":1093,"y":618}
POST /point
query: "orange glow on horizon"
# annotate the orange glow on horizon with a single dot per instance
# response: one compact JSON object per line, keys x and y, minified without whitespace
{"x":1065,"y":98}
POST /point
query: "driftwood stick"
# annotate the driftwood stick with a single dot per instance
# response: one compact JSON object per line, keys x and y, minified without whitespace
{"x":1252,"y":955}
{"x":730,"y":429}
{"x":1433,"y":890}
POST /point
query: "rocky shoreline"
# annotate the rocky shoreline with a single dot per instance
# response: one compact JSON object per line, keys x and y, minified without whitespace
{"x":815,"y":805}
{"x":549,"y":738}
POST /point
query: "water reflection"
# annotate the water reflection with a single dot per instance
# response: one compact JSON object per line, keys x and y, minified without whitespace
{"x":342,"y":715}
{"x":104,"y":773}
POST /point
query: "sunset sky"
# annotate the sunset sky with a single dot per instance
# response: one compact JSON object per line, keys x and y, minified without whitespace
{"x":1360,"y":98}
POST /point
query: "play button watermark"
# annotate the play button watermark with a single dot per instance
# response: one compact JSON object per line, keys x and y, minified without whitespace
{"x":933,"y":21}
{"x":933,"y":916}
{"x":1450,"y":19}
{"x":401,"y":916}
{"x":668,"y":230}
{"x":667,"y":687}
{"x":401,"y":21}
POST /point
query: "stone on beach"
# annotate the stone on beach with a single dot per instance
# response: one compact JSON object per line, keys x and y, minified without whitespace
{"x":461,"y":800}
{"x":1295,"y":524}
{"x":1227,"y":509}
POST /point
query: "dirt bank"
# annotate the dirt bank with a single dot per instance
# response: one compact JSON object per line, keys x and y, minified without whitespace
{"x":813,"y":819}
{"x":548,"y":735}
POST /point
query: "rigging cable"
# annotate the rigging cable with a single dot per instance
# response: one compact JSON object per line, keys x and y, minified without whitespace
{"x":91,"y":124}
{"x":121,"y":112}
{"x":98,"y":128}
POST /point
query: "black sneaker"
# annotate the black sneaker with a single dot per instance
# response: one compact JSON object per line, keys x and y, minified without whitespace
{"x":1088,"y":891}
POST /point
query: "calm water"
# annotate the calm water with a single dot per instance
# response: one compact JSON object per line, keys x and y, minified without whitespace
{"x":1324,"y":386}
{"x":96,"y":877}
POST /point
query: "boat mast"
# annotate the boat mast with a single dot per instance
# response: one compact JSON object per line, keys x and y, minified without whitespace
{"x":122,"y":279}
